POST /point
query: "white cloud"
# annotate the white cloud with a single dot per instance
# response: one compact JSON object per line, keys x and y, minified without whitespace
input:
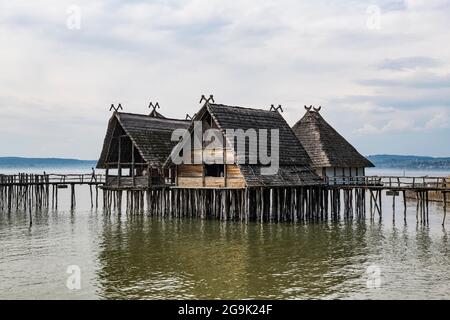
{"x":402,"y":121}
{"x":248,"y":52}
{"x":439,"y":120}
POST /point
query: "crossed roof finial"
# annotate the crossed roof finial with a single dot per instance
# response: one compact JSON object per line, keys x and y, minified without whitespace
{"x":119,"y":107}
{"x":154,"y":106}
{"x":273,"y":108}
{"x":207,"y":100}
{"x":188,"y":117}
{"x":312,"y":107}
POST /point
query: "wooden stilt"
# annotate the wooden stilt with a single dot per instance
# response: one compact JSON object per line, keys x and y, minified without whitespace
{"x":404,"y":205}
{"x":444,"y":196}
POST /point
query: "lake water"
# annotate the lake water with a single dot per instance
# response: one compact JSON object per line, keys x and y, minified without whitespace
{"x":123,"y":256}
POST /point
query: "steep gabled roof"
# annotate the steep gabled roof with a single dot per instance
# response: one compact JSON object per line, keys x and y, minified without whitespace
{"x":150,"y":135}
{"x":291,"y":151}
{"x":325,"y":146}
{"x":287,"y":176}
{"x":294,"y":162}
{"x":156,"y":114}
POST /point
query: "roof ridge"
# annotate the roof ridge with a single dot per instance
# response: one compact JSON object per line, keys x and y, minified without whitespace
{"x":317,"y":118}
{"x":325,"y":145}
{"x":240,"y":107}
{"x":316,"y":123}
{"x":149,"y":117}
{"x":330,"y":126}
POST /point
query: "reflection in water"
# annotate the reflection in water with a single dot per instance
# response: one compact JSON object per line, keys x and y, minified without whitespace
{"x":142,"y":257}
{"x":152,"y":258}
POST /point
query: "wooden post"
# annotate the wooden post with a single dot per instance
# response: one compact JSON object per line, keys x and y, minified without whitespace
{"x":393,"y":207}
{"x":56,"y":198}
{"x":278,"y":206}
{"x":380,"y":207}
{"x":149,"y":175}
{"x":90,"y":192}
{"x":72,"y":196}
{"x":404,"y":204}
{"x":225,"y":175}
{"x":176,"y":175}
{"x":224,"y":161}
{"x":270,"y":204}
{"x":119,"y":166}
{"x":417,"y":206}
{"x":132,"y":164}
{"x":423,"y":206}
{"x":203,"y":174}
{"x":444,"y":195}
{"x":96,"y":196}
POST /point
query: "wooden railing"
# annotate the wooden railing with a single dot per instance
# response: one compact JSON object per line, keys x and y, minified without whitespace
{"x":136,"y":181}
{"x":425,"y":182}
{"x":51,"y":178}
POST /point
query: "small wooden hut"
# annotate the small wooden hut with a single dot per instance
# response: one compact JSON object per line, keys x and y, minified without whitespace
{"x":294,"y":162}
{"x":135,"y":148}
{"x":331,"y":154}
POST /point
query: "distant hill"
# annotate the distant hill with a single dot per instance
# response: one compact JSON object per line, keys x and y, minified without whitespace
{"x":410,"y":162}
{"x":19,"y":162}
{"x":380,"y":161}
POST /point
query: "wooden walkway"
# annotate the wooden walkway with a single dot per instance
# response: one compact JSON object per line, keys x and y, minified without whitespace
{"x":23,"y":190}
{"x":51,"y":178}
{"x":398,"y":183}
{"x":346,"y":194}
{"x":419,"y":187}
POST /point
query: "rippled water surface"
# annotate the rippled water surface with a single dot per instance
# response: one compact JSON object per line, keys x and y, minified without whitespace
{"x":143,"y":257}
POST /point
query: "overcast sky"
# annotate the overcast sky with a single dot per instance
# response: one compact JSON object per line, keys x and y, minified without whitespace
{"x":379,"y":69}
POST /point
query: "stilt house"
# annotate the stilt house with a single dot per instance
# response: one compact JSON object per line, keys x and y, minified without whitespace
{"x":135,"y":148}
{"x":331,"y":155}
{"x":234,"y":172}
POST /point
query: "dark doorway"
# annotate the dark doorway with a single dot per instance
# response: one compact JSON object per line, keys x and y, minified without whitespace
{"x":214,"y":170}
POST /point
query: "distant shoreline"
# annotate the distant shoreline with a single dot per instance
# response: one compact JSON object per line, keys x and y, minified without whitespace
{"x":418,"y":163}
{"x":397,"y":162}
{"x":38,"y":163}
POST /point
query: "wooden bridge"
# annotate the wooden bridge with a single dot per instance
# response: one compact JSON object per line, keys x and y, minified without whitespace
{"x":22,"y":191}
{"x":52,"y":179}
{"x":423,"y":189}
{"x":26,"y":190}
{"x":398,"y":183}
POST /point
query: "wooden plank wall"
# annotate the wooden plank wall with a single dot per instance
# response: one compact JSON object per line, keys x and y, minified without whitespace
{"x":190,"y":176}
{"x":217,"y":153}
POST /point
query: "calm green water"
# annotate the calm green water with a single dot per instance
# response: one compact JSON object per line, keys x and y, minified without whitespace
{"x":140,"y":257}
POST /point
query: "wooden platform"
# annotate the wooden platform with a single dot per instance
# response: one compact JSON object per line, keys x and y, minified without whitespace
{"x":26,"y":191}
{"x":398,"y":183}
{"x":289,"y":203}
{"x":52,"y":179}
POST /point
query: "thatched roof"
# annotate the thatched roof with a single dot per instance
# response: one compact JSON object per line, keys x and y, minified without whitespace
{"x":294,"y":161}
{"x":325,"y":146}
{"x":150,"y":135}
{"x":230,"y":117}
{"x":156,"y":114}
{"x":287,"y":176}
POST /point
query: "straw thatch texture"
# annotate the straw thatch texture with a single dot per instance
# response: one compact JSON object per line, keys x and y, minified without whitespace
{"x":150,"y":135}
{"x":294,"y":162}
{"x":291,"y":151}
{"x":325,"y":146}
